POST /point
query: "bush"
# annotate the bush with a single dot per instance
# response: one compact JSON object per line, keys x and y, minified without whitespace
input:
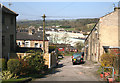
{"x":24,"y":67}
{"x":6,"y":75}
{"x":35,"y":61}
{"x":13,"y":66}
{"x":3,"y":64}
{"x":108,"y":60}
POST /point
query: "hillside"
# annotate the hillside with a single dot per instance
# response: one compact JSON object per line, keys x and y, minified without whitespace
{"x":76,"y":25}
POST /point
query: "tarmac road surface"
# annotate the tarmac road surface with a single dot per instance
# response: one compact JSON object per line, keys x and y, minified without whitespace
{"x":66,"y":71}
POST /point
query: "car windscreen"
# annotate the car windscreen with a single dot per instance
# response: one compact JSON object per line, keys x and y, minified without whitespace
{"x":76,"y":55}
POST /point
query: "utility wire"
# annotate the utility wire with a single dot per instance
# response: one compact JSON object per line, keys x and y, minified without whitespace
{"x":35,"y":16}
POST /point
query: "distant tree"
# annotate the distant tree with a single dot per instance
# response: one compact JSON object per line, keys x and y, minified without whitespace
{"x":79,"y":45}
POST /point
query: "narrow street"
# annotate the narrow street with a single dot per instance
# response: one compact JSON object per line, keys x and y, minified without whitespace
{"x":68,"y":72}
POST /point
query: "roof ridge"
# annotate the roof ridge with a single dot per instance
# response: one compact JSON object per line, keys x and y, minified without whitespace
{"x":8,"y":9}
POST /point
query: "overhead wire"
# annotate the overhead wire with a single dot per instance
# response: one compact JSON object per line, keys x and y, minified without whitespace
{"x":35,"y":16}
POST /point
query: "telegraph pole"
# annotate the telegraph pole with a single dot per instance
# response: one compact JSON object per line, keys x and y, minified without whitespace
{"x":43,"y":33}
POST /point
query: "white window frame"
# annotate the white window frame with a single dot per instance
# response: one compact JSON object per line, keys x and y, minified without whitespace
{"x":36,"y":46}
{"x":19,"y":42}
{"x":27,"y":43}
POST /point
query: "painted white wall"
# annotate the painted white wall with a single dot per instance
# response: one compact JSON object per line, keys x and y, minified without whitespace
{"x":27,"y":43}
{"x":71,"y":37}
{"x":19,"y":42}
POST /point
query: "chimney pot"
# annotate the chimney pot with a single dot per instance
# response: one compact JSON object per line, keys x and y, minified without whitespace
{"x":116,"y":8}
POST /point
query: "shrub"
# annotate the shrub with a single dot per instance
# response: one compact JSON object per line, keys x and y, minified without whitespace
{"x":24,"y":67}
{"x":6,"y":75}
{"x":35,"y":61}
{"x":3,"y":64}
{"x":13,"y":66}
{"x":108,"y":60}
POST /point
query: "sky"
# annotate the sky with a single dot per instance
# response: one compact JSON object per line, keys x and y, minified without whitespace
{"x":60,"y":10}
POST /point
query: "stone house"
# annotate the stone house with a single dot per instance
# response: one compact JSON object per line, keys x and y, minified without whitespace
{"x":7,"y":31}
{"x":105,"y":33}
{"x":34,"y":41}
{"x":31,"y":40}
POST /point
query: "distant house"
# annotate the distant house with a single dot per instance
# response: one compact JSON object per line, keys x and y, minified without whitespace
{"x":8,"y":31}
{"x":72,"y":49}
{"x":61,"y":47}
{"x":65,"y":37}
{"x":22,"y":29}
{"x":31,"y":40}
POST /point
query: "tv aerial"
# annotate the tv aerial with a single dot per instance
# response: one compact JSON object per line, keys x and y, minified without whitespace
{"x":9,"y":4}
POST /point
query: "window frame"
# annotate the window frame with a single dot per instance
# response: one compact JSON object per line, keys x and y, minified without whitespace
{"x":3,"y":40}
{"x":36,"y":46}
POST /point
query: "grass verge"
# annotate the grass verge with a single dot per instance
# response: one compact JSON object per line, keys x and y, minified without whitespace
{"x":20,"y":80}
{"x":27,"y":78}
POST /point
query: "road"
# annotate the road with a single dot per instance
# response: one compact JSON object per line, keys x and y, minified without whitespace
{"x":68,"y":72}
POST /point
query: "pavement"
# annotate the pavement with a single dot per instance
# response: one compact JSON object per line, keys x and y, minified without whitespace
{"x":66,"y":71}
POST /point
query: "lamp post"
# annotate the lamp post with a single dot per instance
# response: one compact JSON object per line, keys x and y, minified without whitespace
{"x":43,"y":33}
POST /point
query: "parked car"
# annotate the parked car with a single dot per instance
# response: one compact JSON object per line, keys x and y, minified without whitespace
{"x":77,"y":58}
{"x":60,"y":56}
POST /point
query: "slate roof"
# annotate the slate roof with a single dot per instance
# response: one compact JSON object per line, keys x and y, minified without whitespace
{"x":7,"y":10}
{"x":25,"y":36}
{"x":26,"y":49}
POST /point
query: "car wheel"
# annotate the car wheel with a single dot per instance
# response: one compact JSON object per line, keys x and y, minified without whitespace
{"x":73,"y":63}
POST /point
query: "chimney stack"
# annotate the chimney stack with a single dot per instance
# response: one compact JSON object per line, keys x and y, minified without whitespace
{"x":30,"y":32}
{"x":116,"y":8}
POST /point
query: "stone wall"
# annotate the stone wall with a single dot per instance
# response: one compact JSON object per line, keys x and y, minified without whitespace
{"x":50,"y":59}
{"x":8,"y":29}
{"x":105,"y":33}
{"x":0,"y":32}
{"x":108,"y":31}
{"x":32,"y":44}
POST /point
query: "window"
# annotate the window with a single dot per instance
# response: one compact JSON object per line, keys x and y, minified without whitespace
{"x":27,"y":44}
{"x":40,"y":45}
{"x":11,"y":20}
{"x":19,"y":43}
{"x":3,"y":19}
{"x":11,"y":43}
{"x":36,"y":45}
{"x":3,"y":40}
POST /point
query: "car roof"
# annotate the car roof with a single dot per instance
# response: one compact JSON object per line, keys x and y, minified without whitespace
{"x":76,"y":54}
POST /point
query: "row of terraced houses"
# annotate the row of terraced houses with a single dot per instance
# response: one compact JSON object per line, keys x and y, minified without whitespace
{"x":104,"y":37}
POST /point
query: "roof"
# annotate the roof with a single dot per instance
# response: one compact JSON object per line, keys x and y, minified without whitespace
{"x":26,"y":49}
{"x":100,"y":18}
{"x":92,"y":30}
{"x":60,"y":45}
{"x":111,"y":12}
{"x":7,"y":10}
{"x":25,"y":36}
{"x":111,"y":47}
